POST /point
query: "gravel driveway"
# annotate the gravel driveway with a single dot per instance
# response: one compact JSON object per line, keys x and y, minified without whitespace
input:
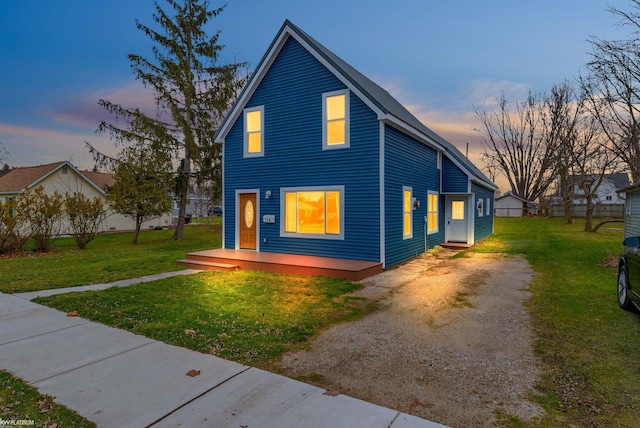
{"x":450,"y":341}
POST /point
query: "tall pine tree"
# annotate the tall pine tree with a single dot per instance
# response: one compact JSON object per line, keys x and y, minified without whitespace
{"x":192,"y":91}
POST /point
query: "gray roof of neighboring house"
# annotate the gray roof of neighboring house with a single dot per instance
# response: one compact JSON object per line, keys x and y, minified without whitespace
{"x":620,"y":179}
{"x":382,"y":100}
{"x":511,"y":195}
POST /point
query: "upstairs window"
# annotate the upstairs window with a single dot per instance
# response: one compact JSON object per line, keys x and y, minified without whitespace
{"x":253,"y":132}
{"x":335,"y":113}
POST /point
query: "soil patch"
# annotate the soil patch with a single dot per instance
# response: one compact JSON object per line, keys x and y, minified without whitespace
{"x":450,"y":341}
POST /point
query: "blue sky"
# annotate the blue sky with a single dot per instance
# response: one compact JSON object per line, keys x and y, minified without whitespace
{"x":58,"y":58}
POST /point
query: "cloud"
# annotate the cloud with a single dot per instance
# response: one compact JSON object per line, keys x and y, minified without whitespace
{"x":86,"y":113}
{"x":29,"y":146}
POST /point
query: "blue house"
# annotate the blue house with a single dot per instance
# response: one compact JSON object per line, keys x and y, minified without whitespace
{"x":318,"y":160}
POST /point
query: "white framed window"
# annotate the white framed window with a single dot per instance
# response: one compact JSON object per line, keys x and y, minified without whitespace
{"x":254,"y":132}
{"x":407,"y":212}
{"x":335,"y":120}
{"x":312,"y":212}
{"x":488,"y":207}
{"x":432,"y":212}
{"x":480,"y":207}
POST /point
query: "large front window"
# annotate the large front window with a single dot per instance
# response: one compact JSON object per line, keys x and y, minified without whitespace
{"x":313,"y":212}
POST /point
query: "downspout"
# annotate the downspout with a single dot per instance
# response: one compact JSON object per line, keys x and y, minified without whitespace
{"x":425,"y":233}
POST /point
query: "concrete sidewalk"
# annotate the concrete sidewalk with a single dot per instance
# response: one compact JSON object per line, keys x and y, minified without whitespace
{"x":118,"y":379}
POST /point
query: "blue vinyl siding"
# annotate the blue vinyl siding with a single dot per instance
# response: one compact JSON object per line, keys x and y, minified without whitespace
{"x":483,"y":225}
{"x":412,"y":164}
{"x":291,"y":93}
{"x":454,"y":180}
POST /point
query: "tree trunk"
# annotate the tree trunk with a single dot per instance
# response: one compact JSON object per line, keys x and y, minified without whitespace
{"x":183,"y":192}
{"x":588,"y":221}
{"x":137,"y":232}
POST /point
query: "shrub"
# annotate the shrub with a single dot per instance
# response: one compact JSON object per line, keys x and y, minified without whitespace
{"x":43,"y":214}
{"x":12,"y":233}
{"x":84,"y":216}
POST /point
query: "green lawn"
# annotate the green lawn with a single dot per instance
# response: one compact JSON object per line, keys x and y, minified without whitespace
{"x":108,"y":258}
{"x":248,"y":317}
{"x":589,"y":347}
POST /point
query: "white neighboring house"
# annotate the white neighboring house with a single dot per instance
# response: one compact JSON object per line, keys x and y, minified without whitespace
{"x":607,"y":193}
{"x":63,"y":177}
{"x":510,"y":205}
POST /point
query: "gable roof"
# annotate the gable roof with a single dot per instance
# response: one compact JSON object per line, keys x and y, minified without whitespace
{"x":103,"y":180}
{"x":511,"y":195}
{"x":386,"y":106}
{"x":19,"y":179}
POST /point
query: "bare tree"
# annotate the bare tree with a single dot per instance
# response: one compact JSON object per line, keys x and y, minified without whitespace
{"x":562,"y":113}
{"x":515,"y":141}
{"x":591,"y":160}
{"x":613,"y":87}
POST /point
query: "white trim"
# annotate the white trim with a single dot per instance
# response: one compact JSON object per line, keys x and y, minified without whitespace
{"x":480,"y":207}
{"x":237,"y":218}
{"x":487,"y":208}
{"x":347,"y":127}
{"x":283,"y":218}
{"x":410,"y":234}
{"x":383,"y":242}
{"x":245,"y":147}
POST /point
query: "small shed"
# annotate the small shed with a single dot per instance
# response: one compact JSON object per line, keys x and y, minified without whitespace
{"x":631,"y":210}
{"x":510,"y":205}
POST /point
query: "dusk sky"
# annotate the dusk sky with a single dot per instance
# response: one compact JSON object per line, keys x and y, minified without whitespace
{"x":439,"y":59}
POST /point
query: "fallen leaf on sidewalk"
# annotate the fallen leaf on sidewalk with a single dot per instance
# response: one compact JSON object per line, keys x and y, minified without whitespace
{"x":331,"y":393}
{"x":193,"y":373}
{"x":72,"y":314}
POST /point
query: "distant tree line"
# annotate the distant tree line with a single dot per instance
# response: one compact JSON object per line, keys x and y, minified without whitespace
{"x":576,"y":133}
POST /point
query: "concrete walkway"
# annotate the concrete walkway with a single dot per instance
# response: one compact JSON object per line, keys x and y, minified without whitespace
{"x":118,"y":379}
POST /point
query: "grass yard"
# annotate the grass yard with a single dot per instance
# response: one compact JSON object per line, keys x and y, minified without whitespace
{"x":588,"y":345}
{"x":108,"y":258}
{"x":248,"y":317}
{"x":21,"y":402}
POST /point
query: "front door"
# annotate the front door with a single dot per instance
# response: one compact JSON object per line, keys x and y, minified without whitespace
{"x":457,"y":219}
{"x":247,"y":211}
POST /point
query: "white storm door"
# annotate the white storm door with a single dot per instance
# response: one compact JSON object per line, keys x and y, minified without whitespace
{"x":457,"y":219}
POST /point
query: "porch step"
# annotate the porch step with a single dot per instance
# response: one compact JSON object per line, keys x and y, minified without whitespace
{"x":204,"y":265}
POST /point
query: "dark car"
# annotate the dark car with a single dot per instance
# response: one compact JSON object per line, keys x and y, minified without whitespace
{"x":629,"y":275}
{"x":215,"y":211}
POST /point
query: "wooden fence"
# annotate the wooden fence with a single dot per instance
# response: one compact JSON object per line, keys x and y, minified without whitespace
{"x":600,"y":210}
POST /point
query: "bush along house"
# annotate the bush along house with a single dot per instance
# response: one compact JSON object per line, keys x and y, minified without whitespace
{"x":320,"y":161}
